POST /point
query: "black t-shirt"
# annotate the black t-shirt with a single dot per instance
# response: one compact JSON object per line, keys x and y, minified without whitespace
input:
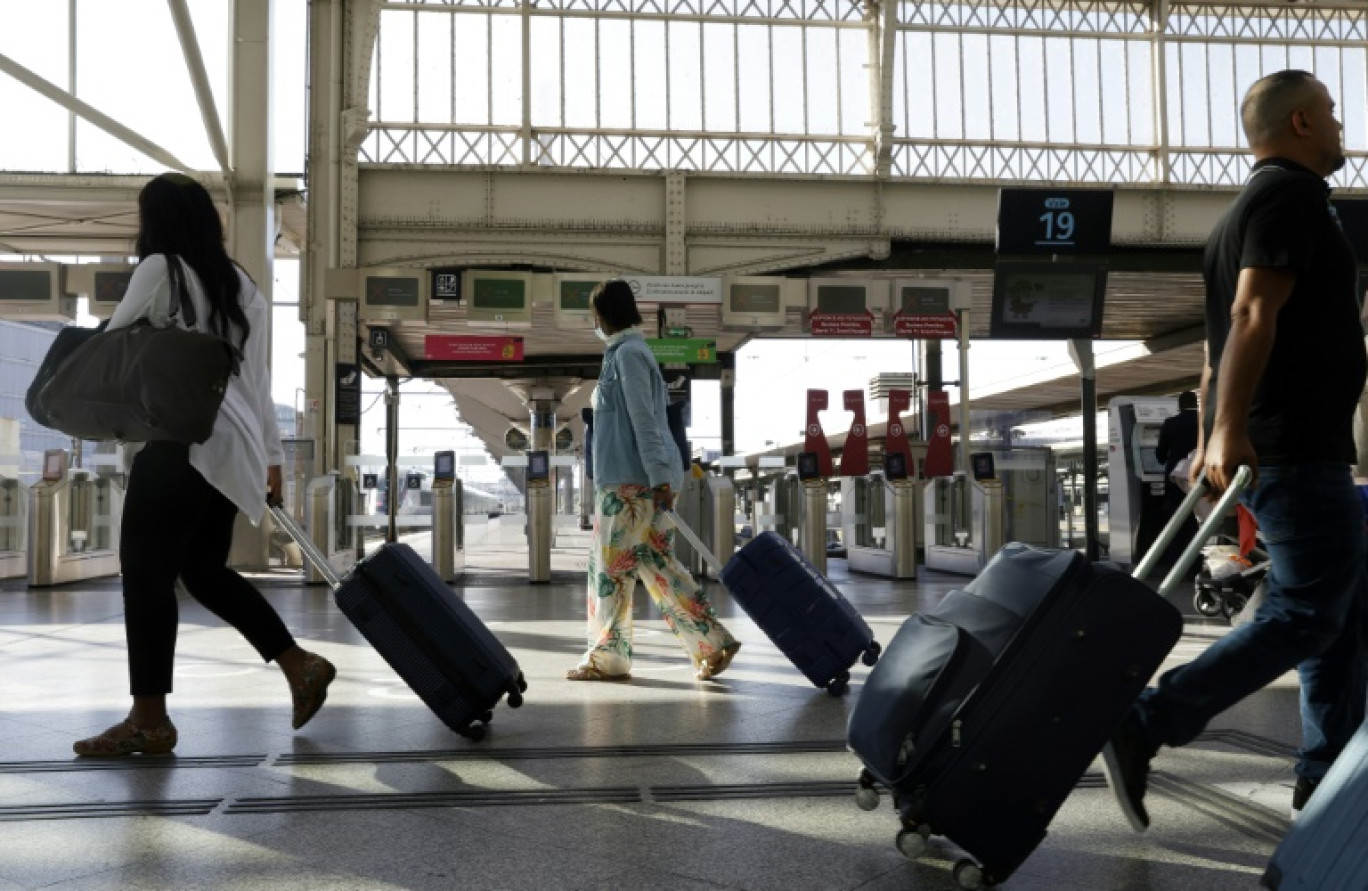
{"x":1303,"y":406}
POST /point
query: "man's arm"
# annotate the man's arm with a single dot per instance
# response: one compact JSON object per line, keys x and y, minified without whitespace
{"x":1259,"y":295}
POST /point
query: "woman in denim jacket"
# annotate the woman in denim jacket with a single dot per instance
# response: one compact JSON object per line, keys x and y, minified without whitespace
{"x":636,"y":470}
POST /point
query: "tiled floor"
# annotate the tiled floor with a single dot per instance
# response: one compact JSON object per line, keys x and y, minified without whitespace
{"x":663,"y":782}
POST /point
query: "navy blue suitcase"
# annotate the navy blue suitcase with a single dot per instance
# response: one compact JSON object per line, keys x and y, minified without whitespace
{"x":424,"y":631}
{"x":1327,"y":846}
{"x":808,"y":619}
{"x":983,"y":714}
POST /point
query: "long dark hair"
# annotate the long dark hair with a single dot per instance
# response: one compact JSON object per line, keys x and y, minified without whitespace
{"x":177,"y":217}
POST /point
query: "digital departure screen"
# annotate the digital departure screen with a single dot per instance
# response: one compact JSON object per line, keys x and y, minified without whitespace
{"x":983,"y":465}
{"x":29,"y":285}
{"x":748,"y":298}
{"x":110,"y":287}
{"x":444,"y":466}
{"x":1044,"y":301}
{"x":574,"y":295}
{"x":538,"y":466}
{"x":499,"y":293}
{"x":924,"y":301}
{"x":393,"y":291}
{"x":54,"y":465}
{"x":842,"y":300}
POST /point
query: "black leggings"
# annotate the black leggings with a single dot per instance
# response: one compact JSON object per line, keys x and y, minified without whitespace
{"x":176,"y":524}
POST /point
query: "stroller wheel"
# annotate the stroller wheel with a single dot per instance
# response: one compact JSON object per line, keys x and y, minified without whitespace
{"x":1208,"y":602}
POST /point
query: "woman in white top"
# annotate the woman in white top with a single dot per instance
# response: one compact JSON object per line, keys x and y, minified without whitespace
{"x":182,"y":501}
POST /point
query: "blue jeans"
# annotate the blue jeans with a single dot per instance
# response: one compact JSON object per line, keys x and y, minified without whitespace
{"x":1312,"y":521}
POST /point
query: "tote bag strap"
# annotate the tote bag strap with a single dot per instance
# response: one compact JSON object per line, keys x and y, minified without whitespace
{"x":181,"y":302}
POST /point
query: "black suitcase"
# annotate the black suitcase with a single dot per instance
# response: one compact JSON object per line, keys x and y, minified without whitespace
{"x":983,"y":714}
{"x":805,"y":616}
{"x":425,"y":632}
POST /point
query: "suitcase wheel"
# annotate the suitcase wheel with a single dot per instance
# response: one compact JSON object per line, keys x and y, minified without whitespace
{"x":968,"y":875}
{"x":912,"y":843}
{"x":475,"y":732}
{"x":522,"y":683}
{"x":871,"y":654}
{"x":867,"y":798}
{"x":838,"y":685}
{"x":867,"y":795}
{"x":514,"y":698}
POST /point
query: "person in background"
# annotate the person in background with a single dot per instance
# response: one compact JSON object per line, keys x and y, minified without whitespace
{"x":1177,"y":439}
{"x":182,"y":500}
{"x":1285,"y":372}
{"x":636,"y":472}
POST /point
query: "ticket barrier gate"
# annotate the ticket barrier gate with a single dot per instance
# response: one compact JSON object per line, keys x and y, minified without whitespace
{"x":708,"y":506}
{"x":956,"y":542}
{"x":73,"y":531}
{"x":879,"y":521}
{"x":448,"y":519}
{"x":14,"y":500}
{"x":812,"y":522}
{"x":780,"y":506}
{"x":328,"y":502}
{"x":541,"y":506}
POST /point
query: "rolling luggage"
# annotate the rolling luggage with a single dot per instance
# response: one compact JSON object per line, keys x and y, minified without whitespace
{"x":427,"y":634}
{"x":1327,"y":846}
{"x":798,"y":609}
{"x":983,"y":714}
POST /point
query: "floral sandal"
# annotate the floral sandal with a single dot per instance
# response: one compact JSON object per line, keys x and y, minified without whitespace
{"x":126,"y":739}
{"x":713,"y":665}
{"x":590,"y":673}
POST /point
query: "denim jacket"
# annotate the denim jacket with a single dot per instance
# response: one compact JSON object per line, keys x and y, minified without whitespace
{"x":632,"y":442}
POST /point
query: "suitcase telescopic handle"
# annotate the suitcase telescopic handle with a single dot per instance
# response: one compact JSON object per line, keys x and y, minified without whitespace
{"x":301,"y":538}
{"x":1223,"y":507}
{"x":694,"y":541}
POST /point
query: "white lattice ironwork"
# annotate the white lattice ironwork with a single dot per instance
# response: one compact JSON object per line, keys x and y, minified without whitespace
{"x":1083,"y":91}
{"x":994,"y":161}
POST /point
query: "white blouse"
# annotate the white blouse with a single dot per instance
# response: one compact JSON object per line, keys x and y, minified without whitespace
{"x":246,"y":438}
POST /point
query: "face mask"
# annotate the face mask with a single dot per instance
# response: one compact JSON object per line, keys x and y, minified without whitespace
{"x":599,"y":333}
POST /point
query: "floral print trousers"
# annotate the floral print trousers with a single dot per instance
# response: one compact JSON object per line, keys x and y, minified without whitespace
{"x":631,"y":542}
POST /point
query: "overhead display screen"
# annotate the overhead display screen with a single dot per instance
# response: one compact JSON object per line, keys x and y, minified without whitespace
{"x":394,"y":294}
{"x":1054,"y":221}
{"x":31,"y":285}
{"x":845,"y":300}
{"x":1047,"y":301}
{"x":755,"y":302}
{"x":756,"y":298}
{"x":498,"y":297}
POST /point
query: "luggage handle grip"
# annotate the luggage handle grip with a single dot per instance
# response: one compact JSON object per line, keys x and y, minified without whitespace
{"x":311,"y":551}
{"x":692,"y":538}
{"x":1224,"y":506}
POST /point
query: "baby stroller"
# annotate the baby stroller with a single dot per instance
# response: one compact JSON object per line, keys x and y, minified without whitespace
{"x":1230,"y":581}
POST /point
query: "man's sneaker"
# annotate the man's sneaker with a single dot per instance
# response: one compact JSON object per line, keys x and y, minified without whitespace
{"x":1302,"y":793}
{"x":1126,"y":764}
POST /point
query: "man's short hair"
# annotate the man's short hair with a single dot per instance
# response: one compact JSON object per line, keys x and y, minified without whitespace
{"x":1271,"y":101}
{"x":1187,"y":400}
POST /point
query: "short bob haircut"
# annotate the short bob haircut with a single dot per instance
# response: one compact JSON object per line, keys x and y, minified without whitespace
{"x":615,"y":304}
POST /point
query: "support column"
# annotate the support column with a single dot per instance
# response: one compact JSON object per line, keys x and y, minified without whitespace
{"x":676,"y":217}
{"x":251,"y":236}
{"x":327,"y":66}
{"x":728,"y":393}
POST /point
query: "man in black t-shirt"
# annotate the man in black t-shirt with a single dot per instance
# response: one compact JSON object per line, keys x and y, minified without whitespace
{"x":1285,"y":370}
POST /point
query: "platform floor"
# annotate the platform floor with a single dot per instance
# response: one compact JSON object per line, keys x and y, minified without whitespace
{"x":660,"y":783}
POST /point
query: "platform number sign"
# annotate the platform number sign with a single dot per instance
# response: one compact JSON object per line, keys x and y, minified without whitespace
{"x":1054,"y":221}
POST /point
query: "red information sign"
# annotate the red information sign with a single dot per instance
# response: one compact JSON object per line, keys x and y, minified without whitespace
{"x":937,"y":327}
{"x":463,"y":348}
{"x":825,"y":324}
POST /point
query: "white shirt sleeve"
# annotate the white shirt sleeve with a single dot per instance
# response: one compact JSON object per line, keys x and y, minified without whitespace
{"x":148,"y":295}
{"x":256,"y":358}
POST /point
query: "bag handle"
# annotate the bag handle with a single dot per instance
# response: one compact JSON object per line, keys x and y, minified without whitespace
{"x":180,"y":295}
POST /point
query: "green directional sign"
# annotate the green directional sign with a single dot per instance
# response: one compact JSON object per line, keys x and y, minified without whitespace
{"x":684,"y":350}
